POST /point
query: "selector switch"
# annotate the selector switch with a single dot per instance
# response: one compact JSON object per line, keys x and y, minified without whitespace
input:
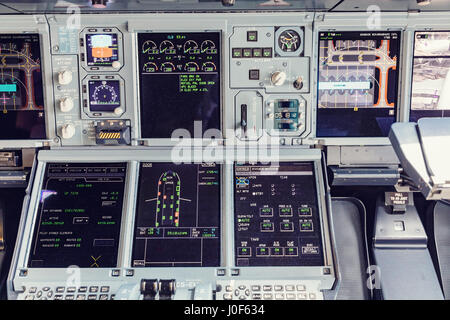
{"x":278,"y":78}
{"x":66,"y":104}
{"x":68,"y":131}
{"x":65,"y":77}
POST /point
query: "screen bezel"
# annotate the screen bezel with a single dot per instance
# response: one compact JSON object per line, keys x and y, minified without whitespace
{"x":135,"y":213}
{"x":39,"y":183}
{"x":346,"y":139}
{"x":325,"y":229}
{"x":138,"y":108}
{"x":410,"y":110}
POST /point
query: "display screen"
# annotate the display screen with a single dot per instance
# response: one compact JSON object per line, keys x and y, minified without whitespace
{"x":104,"y":95}
{"x":102,"y":49}
{"x":79,"y":216}
{"x":179,"y":82}
{"x":178,"y":216}
{"x":430,"y":95}
{"x":21,"y":89}
{"x":357,"y":83}
{"x":276,"y":215}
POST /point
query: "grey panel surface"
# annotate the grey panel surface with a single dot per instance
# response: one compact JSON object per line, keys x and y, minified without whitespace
{"x":435,"y":134}
{"x":347,"y":214}
{"x":442,"y":241}
{"x":407,"y":274}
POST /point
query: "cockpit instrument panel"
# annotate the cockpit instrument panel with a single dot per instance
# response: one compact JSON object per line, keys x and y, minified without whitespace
{"x":79,"y":216}
{"x":276,"y":215}
{"x":178,"y":216}
{"x":21,"y":87}
{"x":357,"y":83}
{"x":430,"y":94}
{"x":179,"y":77}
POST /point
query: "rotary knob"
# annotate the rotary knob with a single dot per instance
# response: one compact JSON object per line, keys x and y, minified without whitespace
{"x":116,"y":65}
{"x":66,"y":104}
{"x":118,"y":111}
{"x":278,"y":78}
{"x":68,"y":131}
{"x":65,"y":77}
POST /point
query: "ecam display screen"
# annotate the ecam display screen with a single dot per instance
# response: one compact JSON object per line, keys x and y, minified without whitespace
{"x":179,"y":82}
{"x":178,"y":216}
{"x":276,"y":215}
{"x":21,"y":89}
{"x":357,"y":83}
{"x":79,"y":216}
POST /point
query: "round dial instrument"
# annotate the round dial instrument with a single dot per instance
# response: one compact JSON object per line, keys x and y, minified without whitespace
{"x":149,"y":47}
{"x":289,"y":41}
{"x":104,"y":94}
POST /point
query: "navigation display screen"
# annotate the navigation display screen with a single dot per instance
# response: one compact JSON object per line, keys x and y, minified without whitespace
{"x":79,"y":216}
{"x":357,"y":83}
{"x":21,"y":89}
{"x":276,"y":215}
{"x":179,"y":82}
{"x":430,"y":95}
{"x":178,"y":216}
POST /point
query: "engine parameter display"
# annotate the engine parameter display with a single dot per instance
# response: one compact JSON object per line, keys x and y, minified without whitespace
{"x":79,"y":216}
{"x":276,"y":215}
{"x":430,"y":95}
{"x":357,"y":83}
{"x":178,"y":216}
{"x":179,"y":82}
{"x":102,"y":49}
{"x":21,"y":87}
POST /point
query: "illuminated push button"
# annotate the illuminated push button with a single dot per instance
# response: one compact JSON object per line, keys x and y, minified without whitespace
{"x":116,"y":65}
{"x":286,"y":227}
{"x":301,"y":287}
{"x":268,"y":296}
{"x":247,"y":52}
{"x":266,"y":212}
{"x":278,"y":78}
{"x":304,"y":211}
{"x":267,"y":52}
{"x":262,"y":252}
{"x":257,"y":52}
{"x":237,"y":53}
{"x":65,"y":77}
{"x":267,"y":226}
{"x":302,"y":296}
{"x":278,"y":288}
{"x":276,"y":251}
{"x":306,"y":226}
{"x":285,"y":212}
{"x":66,"y":104}
{"x":291,"y":251}
{"x":290,"y":296}
{"x":68,"y":131}
{"x":244,"y":252}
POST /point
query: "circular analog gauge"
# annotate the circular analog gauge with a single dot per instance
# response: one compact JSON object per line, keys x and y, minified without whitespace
{"x":150,"y":47}
{"x":289,"y":41}
{"x":209,"y":67}
{"x":150,"y":67}
{"x":167,"y":47}
{"x":208,"y":47}
{"x":191,"y":67}
{"x":105,"y":94}
{"x":190,"y":47}
{"x":167,"y":67}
